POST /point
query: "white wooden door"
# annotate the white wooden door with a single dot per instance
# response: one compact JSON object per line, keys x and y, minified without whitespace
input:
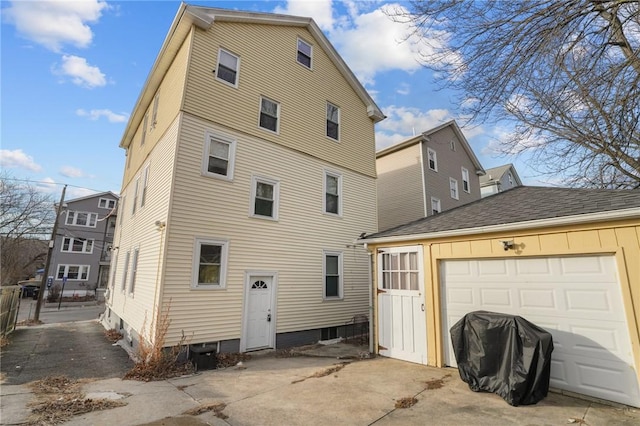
{"x":401,"y":304}
{"x":259,"y":313}
{"x":577,"y":299}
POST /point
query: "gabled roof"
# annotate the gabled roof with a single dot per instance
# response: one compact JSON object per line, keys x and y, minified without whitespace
{"x":496,"y":173}
{"x":425,"y":137}
{"x":100,"y":194}
{"x":204,"y":18}
{"x":519,"y":208}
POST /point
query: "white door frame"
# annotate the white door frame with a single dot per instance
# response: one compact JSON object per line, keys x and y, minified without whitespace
{"x":245,"y":314}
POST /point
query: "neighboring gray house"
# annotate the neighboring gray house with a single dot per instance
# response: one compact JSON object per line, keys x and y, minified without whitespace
{"x":425,"y":175}
{"x":499,"y":179}
{"x":82,"y":250}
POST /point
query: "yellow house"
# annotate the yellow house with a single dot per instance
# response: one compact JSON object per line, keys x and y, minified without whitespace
{"x":250,"y":172}
{"x":567,"y":260}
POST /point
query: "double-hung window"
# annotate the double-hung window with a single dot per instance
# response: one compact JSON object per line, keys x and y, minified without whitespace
{"x":453,"y":187}
{"x":435,"y":205}
{"x":73,"y":272}
{"x":82,"y":219}
{"x":265,"y":195}
{"x":465,"y":180}
{"x":333,"y":121}
{"x":145,"y":184}
{"x":135,"y":196}
{"x":219,"y":157}
{"x":269,"y":114}
{"x":228,"y":67}
{"x":332,"y":272}
{"x":304,"y":53}
{"x":210,"y":263}
{"x":145,"y":123}
{"x":77,"y":245}
{"x":106,"y":203}
{"x":332,"y":193}
{"x":154,"y":113}
{"x":433,"y":159}
{"x":134,"y":270}
{"x":125,"y":271}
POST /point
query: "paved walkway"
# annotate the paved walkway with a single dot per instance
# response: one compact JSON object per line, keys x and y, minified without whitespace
{"x":303,"y":390}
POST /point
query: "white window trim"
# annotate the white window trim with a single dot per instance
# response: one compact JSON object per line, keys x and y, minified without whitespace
{"x":465,"y":178}
{"x":154,"y":113}
{"x":339,"y":254}
{"x":277,"y":131}
{"x":135,"y":196}
{"x":205,"y":158}
{"x":84,"y":245}
{"x":145,"y":124}
{"x":106,"y":201}
{"x":75,"y":219}
{"x":324,"y":192}
{"x":339,"y":122}
{"x":196,"y":263}
{"x":66,"y":271}
{"x":145,"y":185}
{"x":276,"y":197}
{"x":134,"y":270}
{"x":435,"y":200}
{"x":125,"y":272}
{"x":310,"y":67}
{"x":113,"y":273}
{"x":435,"y":159}
{"x":121,"y":212}
{"x":453,"y":183}
{"x":237,"y":70}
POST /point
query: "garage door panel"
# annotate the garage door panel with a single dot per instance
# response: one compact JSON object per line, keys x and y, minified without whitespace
{"x":577,"y":299}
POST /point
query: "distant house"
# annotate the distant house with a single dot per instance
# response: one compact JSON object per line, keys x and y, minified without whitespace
{"x":82,"y":249}
{"x":499,"y":179}
{"x":250,"y":173}
{"x":425,"y":175}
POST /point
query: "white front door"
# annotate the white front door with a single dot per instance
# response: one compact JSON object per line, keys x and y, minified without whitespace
{"x":401,"y":304}
{"x":577,"y":299}
{"x":259,"y":315}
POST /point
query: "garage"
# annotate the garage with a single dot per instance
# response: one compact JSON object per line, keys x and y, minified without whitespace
{"x":576,"y":298}
{"x":566,"y":259}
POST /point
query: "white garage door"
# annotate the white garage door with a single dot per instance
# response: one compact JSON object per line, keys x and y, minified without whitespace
{"x":577,"y":299}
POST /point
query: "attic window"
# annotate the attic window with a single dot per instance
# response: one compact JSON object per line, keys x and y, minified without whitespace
{"x":304,"y":53}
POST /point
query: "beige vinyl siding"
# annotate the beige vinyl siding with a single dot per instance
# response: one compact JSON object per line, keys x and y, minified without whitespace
{"x":292,"y":246}
{"x":171,"y":95}
{"x":268,"y":67}
{"x":140,"y":231}
{"x":400,"y":191}
{"x":450,"y":164}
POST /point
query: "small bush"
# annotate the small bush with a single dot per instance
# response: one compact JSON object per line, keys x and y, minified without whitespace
{"x":54,"y":293}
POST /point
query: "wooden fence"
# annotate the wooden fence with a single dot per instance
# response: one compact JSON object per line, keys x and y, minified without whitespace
{"x":9,"y":304}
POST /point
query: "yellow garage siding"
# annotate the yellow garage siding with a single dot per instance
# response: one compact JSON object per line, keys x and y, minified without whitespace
{"x":292,"y":246}
{"x":139,"y":230}
{"x":268,"y":67}
{"x":171,"y":92}
{"x":619,"y":238}
{"x":400,"y":190}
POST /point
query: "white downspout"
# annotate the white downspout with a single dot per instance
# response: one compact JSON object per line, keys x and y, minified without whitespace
{"x":371,"y":301}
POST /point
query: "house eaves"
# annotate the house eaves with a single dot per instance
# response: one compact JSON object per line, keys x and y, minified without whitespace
{"x":97,"y":194}
{"x":204,"y":17}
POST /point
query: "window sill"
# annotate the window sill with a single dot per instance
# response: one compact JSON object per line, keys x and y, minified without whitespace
{"x":336,"y":215}
{"x":268,"y":218}
{"x":219,"y":177}
{"x":207,"y":288}
{"x":332,"y":299}
{"x":273,"y":132}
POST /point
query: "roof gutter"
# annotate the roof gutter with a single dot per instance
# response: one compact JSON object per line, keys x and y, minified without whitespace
{"x":507,"y":227}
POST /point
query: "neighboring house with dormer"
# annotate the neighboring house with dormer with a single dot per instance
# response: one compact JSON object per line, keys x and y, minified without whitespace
{"x":82,"y":251}
{"x":250,"y":173}
{"x":425,"y":175}
{"x":499,"y":179}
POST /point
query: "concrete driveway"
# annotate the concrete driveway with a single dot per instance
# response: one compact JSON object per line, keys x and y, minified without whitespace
{"x":311,"y":390}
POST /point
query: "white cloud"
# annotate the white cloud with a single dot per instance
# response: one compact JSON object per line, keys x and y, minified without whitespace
{"x":81,"y":73}
{"x":54,"y":23}
{"x":95,"y":114}
{"x":18,"y":159}
{"x":73,"y":192}
{"x":71,"y":172}
{"x":499,"y":145}
{"x":48,"y":185}
{"x":403,"y":89}
{"x":405,"y":120}
{"x":320,"y":10}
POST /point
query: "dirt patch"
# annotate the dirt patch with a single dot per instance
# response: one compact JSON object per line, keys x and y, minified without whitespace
{"x":113,"y":335}
{"x":4,"y":341}
{"x":406,"y":402}
{"x":436,"y":383}
{"x":231,"y":359}
{"x":29,"y":322}
{"x":58,"y":399}
{"x":216,"y":408}
{"x":325,"y":372}
{"x":576,"y":421}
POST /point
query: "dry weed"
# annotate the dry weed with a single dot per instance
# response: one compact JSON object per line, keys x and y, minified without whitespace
{"x":325,"y":372}
{"x":217,"y":409}
{"x":29,"y":322}
{"x":113,"y":335}
{"x":4,"y":341}
{"x":58,"y":398}
{"x":231,"y":359}
{"x":406,"y":402}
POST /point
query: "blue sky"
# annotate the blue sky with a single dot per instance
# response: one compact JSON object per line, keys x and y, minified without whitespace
{"x":72,"y":71}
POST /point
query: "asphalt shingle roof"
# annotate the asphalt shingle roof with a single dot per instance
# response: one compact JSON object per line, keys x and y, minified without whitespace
{"x":520,"y":204}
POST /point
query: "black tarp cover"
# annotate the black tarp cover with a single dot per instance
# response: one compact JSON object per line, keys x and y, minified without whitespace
{"x":504,"y":354}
